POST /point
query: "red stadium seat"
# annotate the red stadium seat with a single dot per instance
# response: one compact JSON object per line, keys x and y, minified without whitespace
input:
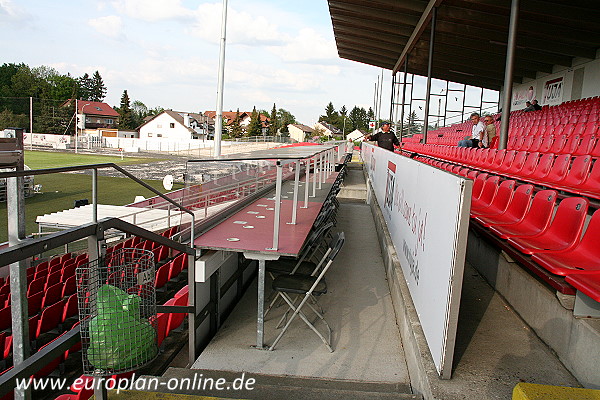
{"x":34,"y":303}
{"x":562,"y":234}
{"x":559,"y":170}
{"x":478,"y":185}
{"x":176,"y":319}
{"x":591,"y":186}
{"x":542,"y":169}
{"x":537,"y":142}
{"x":5,"y":318}
{"x":588,"y":284}
{"x":500,"y":202}
{"x":528,"y":167}
{"x":50,"y":318}
{"x":52,"y":295}
{"x":50,"y":366}
{"x":583,"y":258}
{"x":70,"y":309}
{"x":37,"y":285}
{"x":546,"y":144}
{"x":585,"y":146}
{"x":162,"y":275}
{"x":162,"y":320}
{"x":52,"y":279}
{"x":69,"y":287}
{"x":580,"y":169}
{"x":487,"y":193}
{"x":559,"y":143}
{"x":535,"y":222}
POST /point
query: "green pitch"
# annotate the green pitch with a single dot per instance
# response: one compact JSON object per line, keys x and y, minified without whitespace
{"x":59,"y":191}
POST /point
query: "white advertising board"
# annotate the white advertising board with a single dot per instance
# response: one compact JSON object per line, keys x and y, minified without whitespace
{"x":427,"y":215}
{"x":553,"y":91}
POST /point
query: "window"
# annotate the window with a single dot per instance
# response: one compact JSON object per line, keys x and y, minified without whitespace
{"x":159,"y":135}
{"x":159,"y":125}
{"x":109,"y":121}
{"x":172,"y":125}
{"x":98,"y":108}
{"x":149,"y":134}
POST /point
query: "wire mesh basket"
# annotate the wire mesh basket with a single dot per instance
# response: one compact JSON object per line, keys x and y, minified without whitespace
{"x":117,"y":312}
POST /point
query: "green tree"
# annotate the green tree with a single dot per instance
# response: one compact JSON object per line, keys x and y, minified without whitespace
{"x":285,"y":118}
{"x":10,"y":120}
{"x":236,"y":130}
{"x":370,"y":114}
{"x":98,"y":90}
{"x":125,"y":113}
{"x":139,"y":111}
{"x":255,"y":126}
{"x":85,"y":87}
{"x":358,"y":119}
{"x":55,"y":119}
{"x":273,"y":122}
{"x":331,"y":116}
{"x":411,"y":125}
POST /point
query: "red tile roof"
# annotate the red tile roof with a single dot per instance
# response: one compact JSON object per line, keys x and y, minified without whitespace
{"x":95,"y":108}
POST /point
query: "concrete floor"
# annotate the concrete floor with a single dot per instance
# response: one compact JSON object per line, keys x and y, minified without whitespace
{"x":358,"y":308}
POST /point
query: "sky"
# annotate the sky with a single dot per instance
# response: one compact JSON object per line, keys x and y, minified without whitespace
{"x":166,"y":52}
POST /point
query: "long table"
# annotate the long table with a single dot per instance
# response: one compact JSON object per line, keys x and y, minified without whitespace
{"x":275,"y":225}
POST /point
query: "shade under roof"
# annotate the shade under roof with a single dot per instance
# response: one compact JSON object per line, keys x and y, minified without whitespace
{"x":470,"y":36}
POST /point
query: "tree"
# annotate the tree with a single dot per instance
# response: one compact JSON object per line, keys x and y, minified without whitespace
{"x":98,"y":90}
{"x":285,"y":118}
{"x":358,"y":119}
{"x":370,"y":114}
{"x":235,"y":129}
{"x":411,"y":126}
{"x":126,"y":117}
{"x":273,"y":122}
{"x":139,"y":111}
{"x":10,"y":120}
{"x":85,"y":84}
{"x":331,"y":116}
{"x":255,"y":126}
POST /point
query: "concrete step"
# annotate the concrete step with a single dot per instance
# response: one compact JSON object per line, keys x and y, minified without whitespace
{"x":354,"y":186}
{"x":272,"y":387}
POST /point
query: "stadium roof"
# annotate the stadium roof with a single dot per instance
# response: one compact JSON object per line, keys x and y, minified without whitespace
{"x":470,"y":36}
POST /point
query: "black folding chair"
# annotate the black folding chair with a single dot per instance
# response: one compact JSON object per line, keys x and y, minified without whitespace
{"x":307,"y":286}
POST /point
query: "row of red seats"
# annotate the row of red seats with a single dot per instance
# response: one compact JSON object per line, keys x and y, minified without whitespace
{"x":531,"y":223}
{"x":561,"y":144}
{"x":579,"y":175}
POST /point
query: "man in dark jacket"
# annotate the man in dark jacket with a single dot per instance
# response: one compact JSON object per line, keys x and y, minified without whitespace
{"x":385,"y":139}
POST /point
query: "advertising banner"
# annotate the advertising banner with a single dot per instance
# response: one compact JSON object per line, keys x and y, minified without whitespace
{"x":521,"y":95}
{"x":553,"y":91}
{"x":427,"y":215}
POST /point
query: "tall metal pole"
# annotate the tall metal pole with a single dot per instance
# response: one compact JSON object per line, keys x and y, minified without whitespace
{"x":429,"y":64}
{"x":403,"y":98}
{"x":508,"y":73}
{"x":221,"y":83}
{"x":76,"y":127}
{"x":30,"y":116}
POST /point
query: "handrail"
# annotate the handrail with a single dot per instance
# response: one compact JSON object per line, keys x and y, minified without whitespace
{"x":48,"y":171}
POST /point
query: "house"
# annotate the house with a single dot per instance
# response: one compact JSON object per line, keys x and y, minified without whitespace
{"x":328,"y":129}
{"x":245,"y":117}
{"x":94,"y":114}
{"x":300,"y":133}
{"x":175,"y":125}
{"x":356,"y":134}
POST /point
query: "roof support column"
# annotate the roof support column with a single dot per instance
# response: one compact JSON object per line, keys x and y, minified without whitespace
{"x":508,"y":73}
{"x":429,"y":65}
{"x":403,"y":98}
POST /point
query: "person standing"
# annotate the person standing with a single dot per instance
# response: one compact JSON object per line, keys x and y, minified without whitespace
{"x":385,"y":139}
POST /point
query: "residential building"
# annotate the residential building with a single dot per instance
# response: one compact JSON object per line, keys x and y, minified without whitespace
{"x":245,"y":117}
{"x":94,"y":114}
{"x":356,"y":134}
{"x":328,"y":129}
{"x":300,"y":132}
{"x":175,"y":125}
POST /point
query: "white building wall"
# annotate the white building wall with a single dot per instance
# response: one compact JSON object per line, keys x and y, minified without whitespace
{"x":580,"y":81}
{"x":296,"y":133}
{"x":160,"y":127}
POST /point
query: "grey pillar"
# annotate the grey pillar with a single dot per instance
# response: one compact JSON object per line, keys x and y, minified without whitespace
{"x":429,"y":65}
{"x":508,"y":73}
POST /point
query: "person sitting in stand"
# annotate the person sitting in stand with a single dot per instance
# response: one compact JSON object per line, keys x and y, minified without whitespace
{"x":487,"y":139}
{"x":529,"y":107}
{"x":385,"y":139}
{"x":476,"y":132}
{"x":535,"y":105}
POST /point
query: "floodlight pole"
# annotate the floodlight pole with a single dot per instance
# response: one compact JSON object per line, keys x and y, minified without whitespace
{"x":220,"y":85}
{"x":508,"y":73}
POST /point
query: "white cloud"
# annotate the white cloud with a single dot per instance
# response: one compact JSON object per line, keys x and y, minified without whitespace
{"x":111,"y":25}
{"x":242,"y":27}
{"x":151,"y":10}
{"x":308,"y":46}
{"x":11,"y":13}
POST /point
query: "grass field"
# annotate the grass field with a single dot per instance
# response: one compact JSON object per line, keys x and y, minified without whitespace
{"x":45,"y":159}
{"x":59,"y":191}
